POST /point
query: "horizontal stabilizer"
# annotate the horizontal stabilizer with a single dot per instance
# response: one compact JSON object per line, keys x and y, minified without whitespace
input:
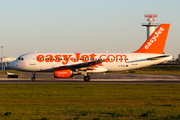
{"x":158,"y":57}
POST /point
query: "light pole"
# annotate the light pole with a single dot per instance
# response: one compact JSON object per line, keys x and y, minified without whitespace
{"x":2,"y":56}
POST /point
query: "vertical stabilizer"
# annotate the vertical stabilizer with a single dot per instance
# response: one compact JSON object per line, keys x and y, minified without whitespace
{"x":156,"y":42}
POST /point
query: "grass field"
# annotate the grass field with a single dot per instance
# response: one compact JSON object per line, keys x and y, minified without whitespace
{"x":89,"y":101}
{"x":93,"y":101}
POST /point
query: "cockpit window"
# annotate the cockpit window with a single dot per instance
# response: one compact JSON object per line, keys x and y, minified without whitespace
{"x":20,"y":58}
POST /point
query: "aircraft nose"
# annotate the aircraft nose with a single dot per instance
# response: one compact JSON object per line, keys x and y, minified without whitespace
{"x":12,"y":65}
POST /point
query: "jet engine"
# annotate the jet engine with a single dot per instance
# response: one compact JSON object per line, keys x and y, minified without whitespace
{"x":62,"y":73}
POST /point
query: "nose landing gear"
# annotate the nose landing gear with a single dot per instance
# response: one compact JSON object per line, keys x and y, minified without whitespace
{"x":33,"y":76}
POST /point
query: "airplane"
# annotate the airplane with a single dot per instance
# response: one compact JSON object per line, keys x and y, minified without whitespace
{"x":65,"y":65}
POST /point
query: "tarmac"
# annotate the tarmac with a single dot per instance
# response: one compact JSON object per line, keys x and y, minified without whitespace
{"x":24,"y":78}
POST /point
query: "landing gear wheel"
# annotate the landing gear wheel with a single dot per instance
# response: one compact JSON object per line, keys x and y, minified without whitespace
{"x":87,"y":78}
{"x":33,"y":78}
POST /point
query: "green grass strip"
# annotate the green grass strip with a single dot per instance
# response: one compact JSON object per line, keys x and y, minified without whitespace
{"x":89,"y":101}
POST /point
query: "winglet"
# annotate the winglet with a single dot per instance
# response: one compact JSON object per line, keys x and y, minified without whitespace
{"x":156,"y":42}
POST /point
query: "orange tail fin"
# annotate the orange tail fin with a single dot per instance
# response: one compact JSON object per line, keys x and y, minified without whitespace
{"x":156,"y":42}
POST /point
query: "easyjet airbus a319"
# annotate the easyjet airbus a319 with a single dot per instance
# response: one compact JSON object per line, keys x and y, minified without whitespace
{"x":65,"y":65}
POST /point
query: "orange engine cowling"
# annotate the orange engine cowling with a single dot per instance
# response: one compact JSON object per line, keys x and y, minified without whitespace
{"x":65,"y":73}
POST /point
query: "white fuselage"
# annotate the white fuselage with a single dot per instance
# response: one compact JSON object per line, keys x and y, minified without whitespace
{"x":112,"y":61}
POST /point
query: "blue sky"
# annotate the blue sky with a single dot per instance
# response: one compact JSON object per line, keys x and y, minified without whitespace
{"x":82,"y":25}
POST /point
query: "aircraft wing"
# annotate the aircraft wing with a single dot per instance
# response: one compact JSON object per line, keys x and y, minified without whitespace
{"x":82,"y":65}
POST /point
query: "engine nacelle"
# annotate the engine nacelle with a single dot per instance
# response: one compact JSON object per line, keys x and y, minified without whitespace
{"x":65,"y":73}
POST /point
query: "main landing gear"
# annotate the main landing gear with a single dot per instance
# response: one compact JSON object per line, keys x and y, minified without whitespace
{"x":33,"y":76}
{"x":87,"y":78}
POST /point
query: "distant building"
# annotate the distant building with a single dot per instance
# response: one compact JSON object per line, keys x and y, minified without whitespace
{"x":4,"y":61}
{"x":178,"y":60}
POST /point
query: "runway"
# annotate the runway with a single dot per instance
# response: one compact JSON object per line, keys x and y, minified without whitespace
{"x":42,"y":78}
{"x":93,"y":81}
